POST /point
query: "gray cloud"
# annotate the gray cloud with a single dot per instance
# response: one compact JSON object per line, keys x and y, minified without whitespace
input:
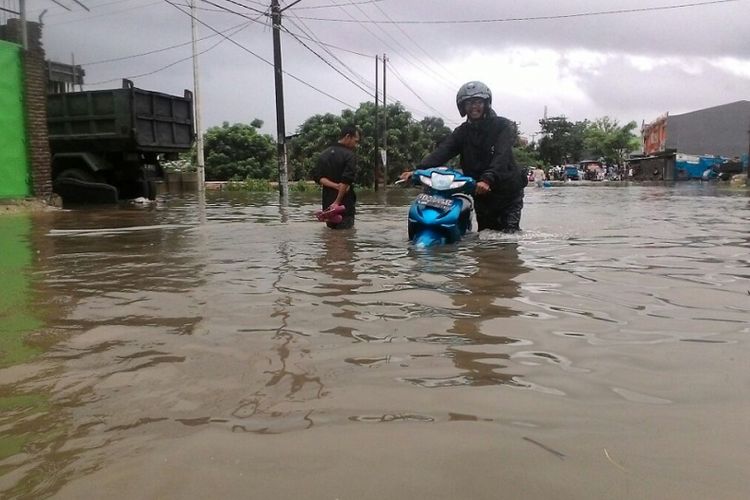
{"x":237,"y":86}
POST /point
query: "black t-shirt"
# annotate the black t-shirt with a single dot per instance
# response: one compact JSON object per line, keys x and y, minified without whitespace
{"x":338,"y":164}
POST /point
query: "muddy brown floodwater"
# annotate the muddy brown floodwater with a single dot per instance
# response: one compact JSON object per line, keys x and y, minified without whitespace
{"x":236,"y":349}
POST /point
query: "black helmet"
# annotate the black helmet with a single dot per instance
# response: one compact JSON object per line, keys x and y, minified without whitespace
{"x":471,"y":90}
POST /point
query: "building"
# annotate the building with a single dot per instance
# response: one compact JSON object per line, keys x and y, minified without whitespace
{"x":720,"y":131}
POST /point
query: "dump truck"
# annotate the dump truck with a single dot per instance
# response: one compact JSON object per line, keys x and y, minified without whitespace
{"x":107,"y":145}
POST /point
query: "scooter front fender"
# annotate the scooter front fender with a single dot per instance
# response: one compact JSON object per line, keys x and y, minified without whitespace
{"x":427,"y":237}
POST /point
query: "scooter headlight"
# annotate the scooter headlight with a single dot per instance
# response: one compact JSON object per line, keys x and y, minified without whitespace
{"x":441,"y":181}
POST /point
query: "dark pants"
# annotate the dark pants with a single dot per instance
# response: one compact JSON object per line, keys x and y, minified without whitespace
{"x":346,"y":223}
{"x":500,"y":212}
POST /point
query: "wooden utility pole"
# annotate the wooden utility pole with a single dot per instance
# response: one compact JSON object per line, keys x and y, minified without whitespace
{"x":376,"y":165}
{"x":280,"y":125}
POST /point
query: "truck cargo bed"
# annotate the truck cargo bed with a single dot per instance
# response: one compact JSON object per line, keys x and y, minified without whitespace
{"x":125,"y":119}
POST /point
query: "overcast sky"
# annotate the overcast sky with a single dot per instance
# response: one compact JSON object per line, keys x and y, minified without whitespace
{"x":626,"y":59}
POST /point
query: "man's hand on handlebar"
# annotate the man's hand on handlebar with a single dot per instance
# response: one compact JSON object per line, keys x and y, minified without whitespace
{"x":405,"y":176}
{"x":482,"y":188}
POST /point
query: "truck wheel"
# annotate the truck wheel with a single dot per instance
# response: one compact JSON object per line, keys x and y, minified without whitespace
{"x":77,"y":173}
{"x":80,"y":185}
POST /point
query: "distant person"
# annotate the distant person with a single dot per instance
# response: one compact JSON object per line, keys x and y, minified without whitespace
{"x":484,"y":143}
{"x":539,"y":176}
{"x":335,"y":172}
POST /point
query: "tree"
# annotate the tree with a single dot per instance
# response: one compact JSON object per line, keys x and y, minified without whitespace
{"x":238,"y":152}
{"x":604,"y":138}
{"x":562,"y":141}
{"x":408,"y":141}
{"x":526,"y":156}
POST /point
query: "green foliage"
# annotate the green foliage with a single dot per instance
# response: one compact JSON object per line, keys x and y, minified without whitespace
{"x":604,"y":138}
{"x":562,"y":141}
{"x":526,"y":156}
{"x":250,"y":184}
{"x":408,"y":141}
{"x":237,"y":152}
{"x":303,"y":187}
{"x":566,"y":142}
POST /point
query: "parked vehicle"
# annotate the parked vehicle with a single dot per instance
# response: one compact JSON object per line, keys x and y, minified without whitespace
{"x":593,"y":170}
{"x":107,"y":144}
{"x":572,"y":172}
{"x":442,"y":212}
{"x":696,"y":166}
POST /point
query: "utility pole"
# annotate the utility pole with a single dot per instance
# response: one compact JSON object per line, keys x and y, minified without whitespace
{"x":197,"y":101}
{"x":385,"y":129}
{"x":376,"y":170}
{"x":280,"y":125}
{"x":24,"y":31}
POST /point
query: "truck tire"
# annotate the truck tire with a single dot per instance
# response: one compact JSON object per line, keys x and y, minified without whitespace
{"x":77,"y":173}
{"x":79,"y":185}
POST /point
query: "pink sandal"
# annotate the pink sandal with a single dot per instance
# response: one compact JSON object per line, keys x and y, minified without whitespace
{"x":333,"y":214}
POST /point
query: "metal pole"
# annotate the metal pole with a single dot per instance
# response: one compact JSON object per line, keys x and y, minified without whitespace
{"x":197,"y":101}
{"x":73,"y":71}
{"x":385,"y":129}
{"x":376,"y":170}
{"x":280,"y":125}
{"x":24,"y":31}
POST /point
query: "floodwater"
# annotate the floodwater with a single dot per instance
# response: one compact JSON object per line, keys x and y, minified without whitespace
{"x":236,"y":349}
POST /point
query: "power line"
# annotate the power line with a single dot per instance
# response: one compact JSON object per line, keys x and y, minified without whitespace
{"x":409,"y":37}
{"x":305,"y":29}
{"x":156,"y":51}
{"x":366,"y":91}
{"x":263,"y":12}
{"x":133,"y":77}
{"x":261,"y":57}
{"x":319,"y":42}
{"x":405,"y":49}
{"x":314,"y":38}
{"x":330,"y":6}
{"x":87,"y":18}
{"x":234,"y":11}
{"x":401,"y":79}
{"x":532,"y":18}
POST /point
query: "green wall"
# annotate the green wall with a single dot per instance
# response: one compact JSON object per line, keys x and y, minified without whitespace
{"x":14,"y":165}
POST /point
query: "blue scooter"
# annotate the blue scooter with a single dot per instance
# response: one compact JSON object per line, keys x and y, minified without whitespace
{"x":442,"y":212}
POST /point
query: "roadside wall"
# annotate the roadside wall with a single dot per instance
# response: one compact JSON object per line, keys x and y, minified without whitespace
{"x":35,"y":100}
{"x":14,"y":164}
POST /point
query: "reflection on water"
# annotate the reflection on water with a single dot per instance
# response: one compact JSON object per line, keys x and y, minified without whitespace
{"x":487,"y":274}
{"x":16,"y":315}
{"x":125,"y":330}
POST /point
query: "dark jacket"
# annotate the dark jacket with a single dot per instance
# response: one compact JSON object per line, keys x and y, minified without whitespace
{"x":338,"y":164}
{"x":486,"y":153}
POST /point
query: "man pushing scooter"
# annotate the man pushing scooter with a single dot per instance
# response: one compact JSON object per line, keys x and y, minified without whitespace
{"x":484,"y":143}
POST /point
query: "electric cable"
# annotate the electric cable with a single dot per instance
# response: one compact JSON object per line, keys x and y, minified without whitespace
{"x":104,"y":14}
{"x":535,"y":18}
{"x":242,"y":47}
{"x":163,"y":49}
